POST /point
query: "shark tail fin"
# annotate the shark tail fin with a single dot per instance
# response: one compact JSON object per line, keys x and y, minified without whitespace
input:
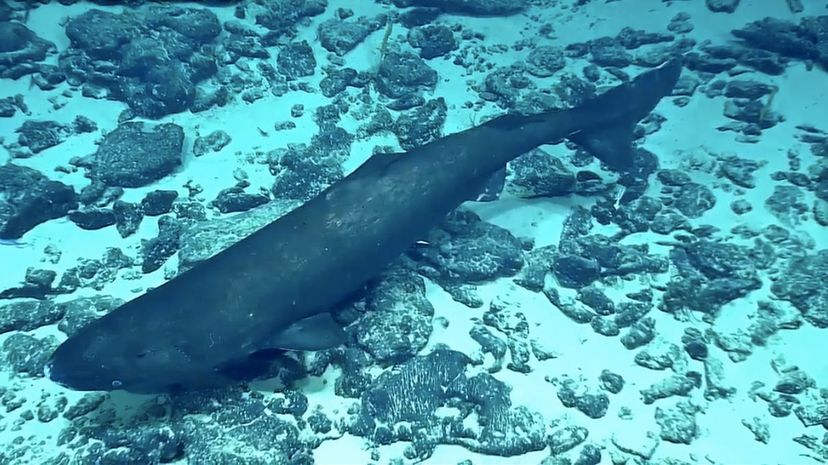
{"x":612,"y":144}
{"x":624,"y":106}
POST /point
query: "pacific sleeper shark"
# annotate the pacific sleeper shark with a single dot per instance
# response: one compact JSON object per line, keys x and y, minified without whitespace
{"x":274,"y":289}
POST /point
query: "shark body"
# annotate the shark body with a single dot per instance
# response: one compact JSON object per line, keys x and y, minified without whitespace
{"x":274,"y":289}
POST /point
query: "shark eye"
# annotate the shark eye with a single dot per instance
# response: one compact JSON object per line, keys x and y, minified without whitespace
{"x":116,"y":383}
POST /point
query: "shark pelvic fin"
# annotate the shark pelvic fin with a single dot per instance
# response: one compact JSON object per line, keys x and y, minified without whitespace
{"x":315,"y":332}
{"x":491,"y":189}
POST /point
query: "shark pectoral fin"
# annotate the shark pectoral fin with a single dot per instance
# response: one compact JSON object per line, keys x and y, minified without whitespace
{"x":612,"y":144}
{"x":315,"y":332}
{"x":491,"y":189}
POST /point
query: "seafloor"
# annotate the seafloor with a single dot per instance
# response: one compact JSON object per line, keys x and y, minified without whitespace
{"x":677,"y":320}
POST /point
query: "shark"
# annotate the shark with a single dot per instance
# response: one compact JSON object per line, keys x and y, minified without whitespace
{"x":218,"y":322}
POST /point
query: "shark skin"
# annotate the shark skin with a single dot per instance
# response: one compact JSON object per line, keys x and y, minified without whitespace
{"x":275,"y":288}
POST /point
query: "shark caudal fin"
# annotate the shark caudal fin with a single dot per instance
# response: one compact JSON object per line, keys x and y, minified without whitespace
{"x":624,"y":106}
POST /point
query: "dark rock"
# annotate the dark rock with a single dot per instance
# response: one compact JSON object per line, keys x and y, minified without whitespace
{"x":465,"y":249}
{"x":341,"y":37}
{"x":639,"y":334}
{"x":740,"y":171}
{"x":412,"y":395}
{"x":157,"y":250}
{"x":693,"y":200}
{"x":81,"y":311}
{"x":28,"y":315}
{"x":675,"y":385}
{"x":213,"y":142}
{"x":337,"y":80}
{"x":282,"y":16}
{"x":234,"y":199}
{"x":607,"y":52}
{"x":398,"y":318}
{"x":611,"y":382}
{"x":668,"y":223}
{"x":746,"y":88}
{"x":803,"y":285}
{"x":432,"y":40}
{"x":787,"y":203}
{"x":539,"y":174}
{"x":30,"y":198}
{"x":135,"y":154}
{"x":21,"y":50}
{"x":151,"y":61}
{"x":304,"y":171}
{"x":41,"y":135}
{"x":27,"y":354}
{"x":422,"y":125}
{"x":128,"y":217}
{"x":296,"y":60}
{"x":92,"y":218}
{"x":407,"y":102}
{"x":678,"y":424}
{"x":564,"y":439}
{"x":596,"y":300}
{"x":722,"y":6}
{"x":573,"y":271}
{"x":158,"y":202}
{"x":402,"y":73}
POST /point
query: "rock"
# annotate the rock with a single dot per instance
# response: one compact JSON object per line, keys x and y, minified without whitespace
{"x":693,"y":200}
{"x":296,"y":60}
{"x":211,"y":143}
{"x":157,"y":250}
{"x":607,"y":52}
{"x":130,"y":56}
{"x":787,"y":203}
{"x":340,"y":37}
{"x":38,"y":136}
{"x":398,"y":318}
{"x":675,"y":385}
{"x":234,"y":199}
{"x":564,"y":439}
{"x":465,"y":249}
{"x":545,"y":60}
{"x":413,"y":393}
{"x":540,"y":174}
{"x":27,"y":354}
{"x":422,"y":125}
{"x":573,"y":271}
{"x":158,"y":202}
{"x":432,"y":40}
{"x":28,"y":315}
{"x":337,"y":81}
{"x":722,"y":6}
{"x":678,"y":424}
{"x":21,"y":50}
{"x":611,"y":382}
{"x":29,"y":198}
{"x":136,"y":154}
{"x":401,"y":73}
{"x":128,"y":217}
{"x":93,"y":218}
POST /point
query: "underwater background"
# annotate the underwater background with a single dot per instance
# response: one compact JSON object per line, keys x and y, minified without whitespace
{"x":576,"y":320}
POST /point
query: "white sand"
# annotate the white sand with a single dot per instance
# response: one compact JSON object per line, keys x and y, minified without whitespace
{"x":689,"y":132}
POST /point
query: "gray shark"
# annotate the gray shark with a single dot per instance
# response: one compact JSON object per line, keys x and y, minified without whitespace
{"x":274,"y":289}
